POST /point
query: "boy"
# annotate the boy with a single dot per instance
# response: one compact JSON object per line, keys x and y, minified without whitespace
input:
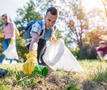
{"x":102,"y":50}
{"x":43,"y":33}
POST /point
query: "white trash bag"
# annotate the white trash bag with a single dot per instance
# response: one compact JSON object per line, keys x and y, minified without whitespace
{"x":11,"y":52}
{"x":105,"y":57}
{"x":58,"y":56}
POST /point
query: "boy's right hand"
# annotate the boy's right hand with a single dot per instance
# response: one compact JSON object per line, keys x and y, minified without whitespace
{"x":101,"y":58}
{"x":31,"y":62}
{"x":29,"y":66}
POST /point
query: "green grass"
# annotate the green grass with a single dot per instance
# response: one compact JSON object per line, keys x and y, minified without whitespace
{"x":94,"y":77}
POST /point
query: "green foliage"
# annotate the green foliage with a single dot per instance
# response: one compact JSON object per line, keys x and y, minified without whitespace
{"x":75,"y":52}
{"x":94,"y":71}
{"x":26,"y":81}
{"x":1,"y":46}
{"x":43,"y":6}
{"x":1,"y":24}
{"x":1,"y":41}
{"x":87,"y":52}
{"x":68,"y":39}
{"x":3,"y":87}
{"x":73,"y":87}
{"x":21,"y":49}
{"x":58,"y":34}
{"x":18,"y":75}
{"x":100,"y":76}
{"x":26,"y":14}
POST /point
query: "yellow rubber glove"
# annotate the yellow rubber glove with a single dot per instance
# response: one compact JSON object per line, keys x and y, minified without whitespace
{"x":11,"y":42}
{"x":32,"y":54}
{"x":101,"y":58}
{"x":54,"y":39}
{"x":1,"y":36}
{"x":29,"y":65}
{"x":31,"y":62}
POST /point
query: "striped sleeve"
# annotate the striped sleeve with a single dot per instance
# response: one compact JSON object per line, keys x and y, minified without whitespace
{"x":36,"y":28}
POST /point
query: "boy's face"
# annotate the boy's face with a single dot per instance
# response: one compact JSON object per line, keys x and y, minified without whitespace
{"x":50,"y":20}
{"x":102,"y":45}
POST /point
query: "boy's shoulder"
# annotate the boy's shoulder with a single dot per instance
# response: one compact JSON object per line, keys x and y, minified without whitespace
{"x":38,"y":22}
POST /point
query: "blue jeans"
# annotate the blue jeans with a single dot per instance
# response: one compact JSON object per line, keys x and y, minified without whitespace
{"x":6,"y":43}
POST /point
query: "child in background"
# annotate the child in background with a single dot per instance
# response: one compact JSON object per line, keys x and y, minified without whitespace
{"x":102,"y":51}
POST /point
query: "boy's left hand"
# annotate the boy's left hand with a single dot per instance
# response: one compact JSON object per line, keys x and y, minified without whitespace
{"x":54,"y":39}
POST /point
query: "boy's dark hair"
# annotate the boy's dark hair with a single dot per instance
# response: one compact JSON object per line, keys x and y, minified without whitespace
{"x":52,"y":10}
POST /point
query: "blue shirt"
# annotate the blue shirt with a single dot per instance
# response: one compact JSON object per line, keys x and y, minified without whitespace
{"x":39,"y":26}
{"x":47,"y":34}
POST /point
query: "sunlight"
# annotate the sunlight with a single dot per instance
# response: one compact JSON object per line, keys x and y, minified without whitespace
{"x":91,"y":4}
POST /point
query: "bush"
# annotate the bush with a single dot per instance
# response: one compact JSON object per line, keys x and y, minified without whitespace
{"x":1,"y":46}
{"x":74,"y":52}
{"x":21,"y":49}
{"x":87,"y":52}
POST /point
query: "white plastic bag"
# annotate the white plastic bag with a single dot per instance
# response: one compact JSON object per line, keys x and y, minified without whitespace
{"x":57,"y":56}
{"x":11,"y":52}
{"x":53,"y":51}
{"x":105,"y":57}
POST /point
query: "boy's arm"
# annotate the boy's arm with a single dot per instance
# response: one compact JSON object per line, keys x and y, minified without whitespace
{"x":36,"y":29}
{"x":35,"y":38}
{"x":99,"y":54}
{"x":98,"y":51}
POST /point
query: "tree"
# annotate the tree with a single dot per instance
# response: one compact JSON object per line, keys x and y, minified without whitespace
{"x":27,"y":14}
{"x":78,"y":24}
{"x":96,"y":19}
{"x":1,"y":24}
{"x":104,"y":2}
{"x":97,"y":26}
{"x":93,"y":37}
{"x":42,"y":5}
{"x":74,"y":10}
{"x":65,"y":15}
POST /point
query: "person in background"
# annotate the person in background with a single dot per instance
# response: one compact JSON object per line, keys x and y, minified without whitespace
{"x":101,"y":51}
{"x":10,"y":31}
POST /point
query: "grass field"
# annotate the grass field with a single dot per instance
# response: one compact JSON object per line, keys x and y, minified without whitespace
{"x":94,"y":77}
